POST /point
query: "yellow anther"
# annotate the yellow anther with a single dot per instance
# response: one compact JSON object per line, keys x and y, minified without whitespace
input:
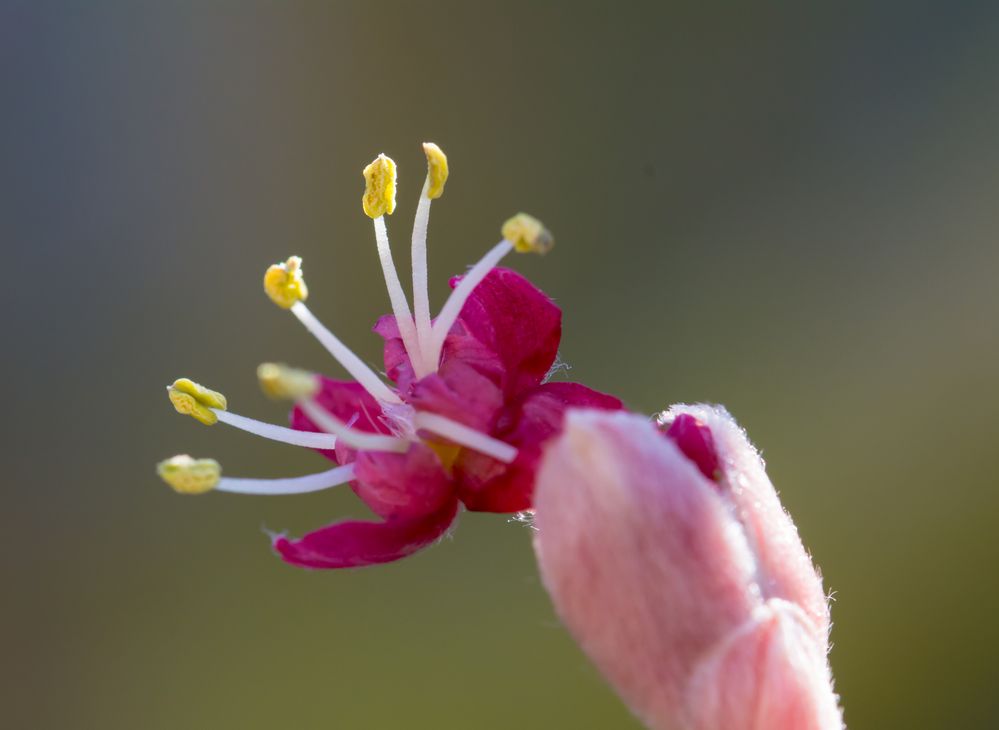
{"x":284,"y":383}
{"x":284,"y":283}
{"x":436,"y":169}
{"x":190,"y":476}
{"x":195,"y":400}
{"x":527,"y":234}
{"x":379,"y":187}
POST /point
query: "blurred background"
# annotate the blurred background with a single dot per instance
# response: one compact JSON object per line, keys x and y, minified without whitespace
{"x":787,"y":208}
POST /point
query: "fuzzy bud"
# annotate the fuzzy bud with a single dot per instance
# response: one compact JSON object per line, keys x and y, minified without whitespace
{"x":671,"y":560}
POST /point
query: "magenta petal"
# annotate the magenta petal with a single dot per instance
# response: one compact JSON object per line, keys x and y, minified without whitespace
{"x":696,"y":443}
{"x":460,"y":392}
{"x":398,"y":368}
{"x":459,"y":346}
{"x":486,"y":485}
{"x":402,"y":485}
{"x":357,"y":543}
{"x":518,"y":322}
{"x":349,"y":402}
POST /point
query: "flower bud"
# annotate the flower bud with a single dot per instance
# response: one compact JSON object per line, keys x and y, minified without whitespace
{"x":670,"y":559}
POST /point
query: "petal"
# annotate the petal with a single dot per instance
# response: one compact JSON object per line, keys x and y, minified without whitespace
{"x":349,"y":402}
{"x":517,"y":322}
{"x":398,"y":367}
{"x":486,"y":485}
{"x":769,"y":675}
{"x":694,"y":439}
{"x":460,"y":392}
{"x":358,"y":543}
{"x":402,"y":485}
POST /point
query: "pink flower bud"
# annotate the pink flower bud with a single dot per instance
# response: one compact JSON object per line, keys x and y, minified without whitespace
{"x":670,"y":559}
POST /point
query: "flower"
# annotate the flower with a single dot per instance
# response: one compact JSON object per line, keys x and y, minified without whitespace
{"x":464,"y":422}
{"x":668,"y":555}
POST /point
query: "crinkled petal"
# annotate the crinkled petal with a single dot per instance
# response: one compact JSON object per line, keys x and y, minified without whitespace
{"x":460,"y":392}
{"x":508,"y":330}
{"x":357,"y":543}
{"x":460,"y":349}
{"x":398,"y":368}
{"x":486,"y":485}
{"x":517,"y":322}
{"x":402,"y":485}
{"x":349,"y":402}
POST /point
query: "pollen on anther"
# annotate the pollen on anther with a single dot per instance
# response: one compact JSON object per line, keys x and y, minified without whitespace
{"x":379,"y":187}
{"x":284,"y":283}
{"x":197,"y":401}
{"x":527,"y":234}
{"x":190,"y":476}
{"x":437,"y":170}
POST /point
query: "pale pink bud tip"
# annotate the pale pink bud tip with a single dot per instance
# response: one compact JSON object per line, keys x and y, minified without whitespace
{"x":670,"y":559}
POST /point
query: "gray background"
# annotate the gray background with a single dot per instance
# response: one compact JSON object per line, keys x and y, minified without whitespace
{"x":790,"y":210}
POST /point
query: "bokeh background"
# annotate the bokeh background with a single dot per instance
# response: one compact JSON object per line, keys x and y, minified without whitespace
{"x":789,"y":208}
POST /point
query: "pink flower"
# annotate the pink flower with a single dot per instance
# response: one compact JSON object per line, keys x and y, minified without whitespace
{"x":490,"y":381}
{"x":462,"y":421}
{"x":670,"y":559}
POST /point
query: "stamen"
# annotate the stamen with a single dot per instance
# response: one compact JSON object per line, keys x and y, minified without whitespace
{"x":351,"y":362}
{"x":452,"y":307}
{"x":281,"y":382}
{"x":197,"y":401}
{"x":351,"y":436}
{"x":190,"y":476}
{"x":197,"y":476}
{"x":378,"y":201}
{"x":283,"y":434}
{"x":433,"y":188}
{"x":465,"y":436}
{"x":522,"y":233}
{"x":293,"y":485}
{"x":284,"y":283}
{"x":400,"y":306}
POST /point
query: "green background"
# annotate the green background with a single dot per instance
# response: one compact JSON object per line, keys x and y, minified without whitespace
{"x":788,"y":208}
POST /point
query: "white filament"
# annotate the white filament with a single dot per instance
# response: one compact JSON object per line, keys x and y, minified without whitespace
{"x":400,"y":307}
{"x":294,"y":485}
{"x":421,"y":293}
{"x":277,"y":433}
{"x":465,"y":436}
{"x":452,"y":307}
{"x":351,"y":436}
{"x":345,"y":356}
